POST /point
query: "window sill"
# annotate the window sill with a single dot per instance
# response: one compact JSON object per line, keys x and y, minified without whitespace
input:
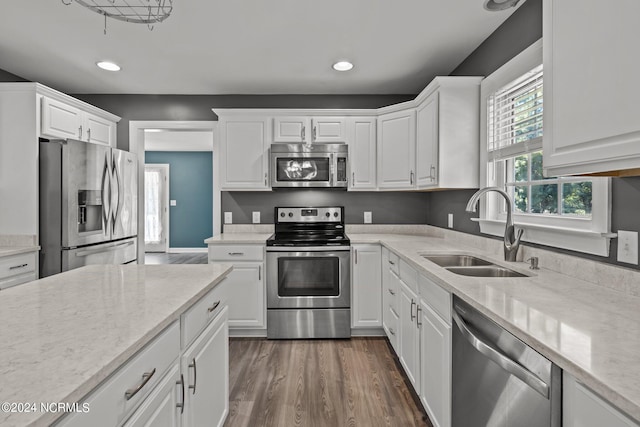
{"x":589,"y":242}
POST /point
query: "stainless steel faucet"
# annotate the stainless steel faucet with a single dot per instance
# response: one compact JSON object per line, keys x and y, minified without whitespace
{"x":511,"y":242}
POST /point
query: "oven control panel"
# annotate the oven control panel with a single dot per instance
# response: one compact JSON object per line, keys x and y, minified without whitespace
{"x":325,"y":214}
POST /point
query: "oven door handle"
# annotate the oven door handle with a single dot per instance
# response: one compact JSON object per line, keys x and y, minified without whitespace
{"x":307,"y":248}
{"x":511,"y":366}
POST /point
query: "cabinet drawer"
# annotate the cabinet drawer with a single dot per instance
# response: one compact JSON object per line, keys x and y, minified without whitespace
{"x":392,"y":328}
{"x":393,"y":262}
{"x":236,"y":252}
{"x":202,"y":312}
{"x":436,"y":298}
{"x":391,"y":292}
{"x":408,"y":275}
{"x":17,"y":280}
{"x":108,"y":403}
{"x":15,"y":265}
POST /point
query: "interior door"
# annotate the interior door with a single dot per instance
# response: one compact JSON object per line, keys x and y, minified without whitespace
{"x":156,"y":208}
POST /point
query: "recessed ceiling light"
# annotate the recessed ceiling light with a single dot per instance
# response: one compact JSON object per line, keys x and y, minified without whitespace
{"x":109,"y":66}
{"x":153,"y":130}
{"x":497,"y":5}
{"x":342,"y":66}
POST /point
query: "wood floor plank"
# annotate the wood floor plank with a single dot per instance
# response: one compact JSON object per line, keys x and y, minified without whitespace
{"x":331,"y":383}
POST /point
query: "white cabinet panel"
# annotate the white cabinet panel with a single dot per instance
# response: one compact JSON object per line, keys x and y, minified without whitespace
{"x":362,"y":153}
{"x":17,"y":269}
{"x":590,"y":87}
{"x":583,"y":408}
{"x":60,"y":120}
{"x":328,"y":129}
{"x":243,"y":153}
{"x":435,"y":366}
{"x":246,"y":296}
{"x":205,"y":367}
{"x":99,"y":130}
{"x":161,"y":408}
{"x":366,"y":284}
{"x":409,"y":340}
{"x":427,"y":142}
{"x":292,"y":129}
{"x":396,"y":150}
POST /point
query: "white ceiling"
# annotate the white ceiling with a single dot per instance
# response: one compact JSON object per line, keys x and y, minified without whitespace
{"x":246,"y":46}
{"x":178,"y":140}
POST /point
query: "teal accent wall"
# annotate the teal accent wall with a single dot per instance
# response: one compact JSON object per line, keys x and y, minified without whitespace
{"x":191,"y":186}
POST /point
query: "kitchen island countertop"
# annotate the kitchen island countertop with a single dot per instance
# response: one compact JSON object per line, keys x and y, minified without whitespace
{"x":63,"y":335}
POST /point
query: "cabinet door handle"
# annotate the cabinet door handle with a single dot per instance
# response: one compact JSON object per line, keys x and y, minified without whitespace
{"x":353,"y":178}
{"x":315,"y":133}
{"x":145,"y":379}
{"x":432,"y":173}
{"x":392,"y":331}
{"x":195,"y":375}
{"x":80,"y":132}
{"x":303,"y":133}
{"x":391,"y":262}
{"x":265,"y":179}
{"x":214,"y":306}
{"x":418,"y":322}
{"x":15,"y":267}
{"x":412,"y":304}
{"x":411,"y":178}
{"x":236,"y":253}
{"x":89,"y":134}
{"x":355,"y":252}
{"x":181,"y":384}
{"x":391,"y":292}
{"x":259,"y":272}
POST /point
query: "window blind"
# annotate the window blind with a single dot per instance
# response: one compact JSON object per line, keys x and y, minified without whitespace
{"x":514,"y":116}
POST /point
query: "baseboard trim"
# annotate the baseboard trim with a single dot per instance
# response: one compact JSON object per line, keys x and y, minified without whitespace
{"x":247,"y":333}
{"x":186,"y":250}
{"x":368,"y":332}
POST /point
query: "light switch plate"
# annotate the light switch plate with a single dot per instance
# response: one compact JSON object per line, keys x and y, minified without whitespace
{"x":367,"y":217}
{"x":450,"y":220}
{"x":628,"y":247}
{"x":256,"y":217}
{"x":228,"y":217}
{"x":173,"y":202}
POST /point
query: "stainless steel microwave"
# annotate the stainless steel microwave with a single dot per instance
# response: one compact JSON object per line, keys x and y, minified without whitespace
{"x":302,"y":165}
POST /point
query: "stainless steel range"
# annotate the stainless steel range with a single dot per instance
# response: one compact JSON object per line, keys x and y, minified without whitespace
{"x":308,"y":276}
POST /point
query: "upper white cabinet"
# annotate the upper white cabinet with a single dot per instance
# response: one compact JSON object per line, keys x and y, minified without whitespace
{"x":448,"y":134}
{"x":397,"y":150}
{"x":591,"y":92}
{"x":244,"y":144}
{"x":362,"y":152}
{"x":366,"y":285}
{"x":306,"y":129}
{"x":63,"y":120}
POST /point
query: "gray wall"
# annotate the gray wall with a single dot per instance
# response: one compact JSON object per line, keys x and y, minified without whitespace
{"x":6,"y":76}
{"x":385,"y":208}
{"x":198,"y":107}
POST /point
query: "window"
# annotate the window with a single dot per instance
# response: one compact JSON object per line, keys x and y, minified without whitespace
{"x":567,"y":212}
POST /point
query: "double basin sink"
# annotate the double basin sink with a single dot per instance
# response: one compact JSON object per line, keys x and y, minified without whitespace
{"x":467,"y":265}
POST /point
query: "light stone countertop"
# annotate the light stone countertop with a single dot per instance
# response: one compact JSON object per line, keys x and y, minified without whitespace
{"x":235,"y":238}
{"x":15,"y":250}
{"x":590,"y":331}
{"x":62,"y":335}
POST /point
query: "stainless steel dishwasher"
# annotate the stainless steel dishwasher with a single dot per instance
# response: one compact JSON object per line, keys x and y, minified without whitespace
{"x":498,"y":380}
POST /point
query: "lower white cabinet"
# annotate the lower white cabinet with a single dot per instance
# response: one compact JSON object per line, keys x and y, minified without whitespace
{"x":160,"y":408}
{"x":246,"y":292}
{"x":366,"y":283}
{"x":205,"y":372}
{"x":583,"y":408}
{"x":18,"y":269}
{"x":435,"y":366}
{"x":409,"y":341}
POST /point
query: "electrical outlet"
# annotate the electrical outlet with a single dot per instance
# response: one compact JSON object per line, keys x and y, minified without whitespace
{"x":450,"y":220}
{"x":228,"y":217}
{"x":628,"y":246}
{"x":256,"y":217}
{"x":367,"y":217}
{"x":173,"y":202}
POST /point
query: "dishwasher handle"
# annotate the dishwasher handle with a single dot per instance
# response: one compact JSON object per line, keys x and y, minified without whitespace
{"x":501,"y":360}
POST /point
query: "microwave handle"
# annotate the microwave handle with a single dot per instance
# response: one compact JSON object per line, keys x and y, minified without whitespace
{"x":332,"y":170}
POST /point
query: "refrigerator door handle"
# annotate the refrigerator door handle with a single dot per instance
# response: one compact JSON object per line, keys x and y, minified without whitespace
{"x":97,"y":251}
{"x":105,"y":195}
{"x":118,"y":193}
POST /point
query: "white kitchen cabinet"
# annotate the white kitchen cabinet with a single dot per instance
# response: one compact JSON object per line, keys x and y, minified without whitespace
{"x":397,"y":150}
{"x":18,"y":269}
{"x":591,"y":92}
{"x":409,"y":340}
{"x":435,"y":365}
{"x":63,"y":120}
{"x":307,"y":129}
{"x":583,"y":408}
{"x":362,"y":152}
{"x":244,"y":144}
{"x":205,"y":369}
{"x":162,"y":407}
{"x":447,"y":134}
{"x":366,"y":285}
{"x":245,"y":285}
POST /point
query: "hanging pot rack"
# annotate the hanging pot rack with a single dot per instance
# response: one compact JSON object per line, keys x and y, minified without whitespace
{"x":136,"y":11}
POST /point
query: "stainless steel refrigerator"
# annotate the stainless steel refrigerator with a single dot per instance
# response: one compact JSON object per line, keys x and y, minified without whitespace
{"x":88,"y":205}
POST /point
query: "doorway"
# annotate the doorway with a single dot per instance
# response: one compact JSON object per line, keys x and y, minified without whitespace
{"x":156,"y":207}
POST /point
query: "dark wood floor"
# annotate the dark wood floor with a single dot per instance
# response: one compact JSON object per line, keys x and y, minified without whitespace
{"x":318,"y":383}
{"x":167,"y":258}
